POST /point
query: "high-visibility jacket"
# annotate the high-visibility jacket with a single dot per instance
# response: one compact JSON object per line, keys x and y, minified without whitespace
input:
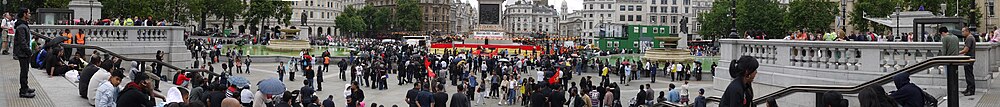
{"x":67,"y":35}
{"x":81,"y":38}
{"x":326,"y":60}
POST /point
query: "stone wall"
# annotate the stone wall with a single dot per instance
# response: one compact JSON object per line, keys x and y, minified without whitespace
{"x":785,"y":63}
{"x":130,"y":41}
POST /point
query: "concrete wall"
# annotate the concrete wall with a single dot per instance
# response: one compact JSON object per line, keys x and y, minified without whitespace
{"x":785,"y":63}
{"x":130,"y":41}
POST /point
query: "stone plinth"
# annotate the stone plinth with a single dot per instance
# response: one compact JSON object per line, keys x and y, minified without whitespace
{"x":86,"y":9}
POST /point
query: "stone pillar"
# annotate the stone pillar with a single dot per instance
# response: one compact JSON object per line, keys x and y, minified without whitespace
{"x":86,"y":9}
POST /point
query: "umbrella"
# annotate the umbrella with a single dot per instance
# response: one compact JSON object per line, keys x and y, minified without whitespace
{"x":55,"y":41}
{"x":271,"y":86}
{"x":457,"y":59}
{"x":239,"y":81}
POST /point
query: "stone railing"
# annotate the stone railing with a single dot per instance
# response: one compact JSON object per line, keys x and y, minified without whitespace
{"x":785,"y":62}
{"x":132,"y":41}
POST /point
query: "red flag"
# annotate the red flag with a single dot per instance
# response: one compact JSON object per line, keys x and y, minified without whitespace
{"x":427,"y":64}
{"x":555,"y":78}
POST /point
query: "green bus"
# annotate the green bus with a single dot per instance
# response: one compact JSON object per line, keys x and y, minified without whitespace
{"x":636,"y":37}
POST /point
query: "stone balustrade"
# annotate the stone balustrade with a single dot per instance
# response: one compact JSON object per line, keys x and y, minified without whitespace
{"x":131,"y":41}
{"x":845,"y":63}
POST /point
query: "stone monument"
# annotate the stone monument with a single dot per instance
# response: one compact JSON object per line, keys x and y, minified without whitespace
{"x":86,"y":9}
{"x":286,"y":42}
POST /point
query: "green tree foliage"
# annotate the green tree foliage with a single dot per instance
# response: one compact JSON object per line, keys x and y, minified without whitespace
{"x":715,"y":23}
{"x":811,"y":15}
{"x":760,"y":15}
{"x":136,"y":8}
{"x":350,"y":21}
{"x":260,"y":11}
{"x":871,"y":8}
{"x":409,"y":17}
{"x":12,"y":6}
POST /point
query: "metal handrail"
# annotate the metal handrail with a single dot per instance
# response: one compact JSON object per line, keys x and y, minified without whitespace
{"x":168,"y":65}
{"x":932,"y":62}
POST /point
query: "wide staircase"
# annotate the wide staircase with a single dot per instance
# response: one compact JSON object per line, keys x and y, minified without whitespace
{"x":982,"y":99}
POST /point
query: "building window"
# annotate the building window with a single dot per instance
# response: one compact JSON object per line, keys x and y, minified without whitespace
{"x":652,"y":19}
{"x":638,"y":8}
{"x":638,"y":18}
{"x":673,"y":9}
{"x":686,"y":9}
{"x":621,"y":8}
{"x":591,"y":6}
{"x":663,"y":10}
{"x":674,"y":2}
{"x":635,"y":29}
{"x":687,"y":2}
{"x":652,"y":2}
{"x":621,"y":17}
{"x":663,"y":19}
{"x":673,"y":19}
{"x":630,"y":18}
{"x":663,"y":1}
{"x":652,"y":9}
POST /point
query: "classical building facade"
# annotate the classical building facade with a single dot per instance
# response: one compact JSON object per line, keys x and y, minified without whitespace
{"x":436,"y":14}
{"x":463,"y":18}
{"x":524,"y":18}
{"x":314,"y":17}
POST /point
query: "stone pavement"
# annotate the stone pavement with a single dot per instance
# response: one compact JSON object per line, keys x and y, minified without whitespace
{"x":10,"y":83}
{"x":60,"y":91}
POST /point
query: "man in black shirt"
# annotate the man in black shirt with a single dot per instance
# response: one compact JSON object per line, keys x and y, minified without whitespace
{"x":538,"y":99}
{"x":557,"y":98}
{"x":411,"y":95}
{"x":440,"y":97}
{"x":969,"y":50}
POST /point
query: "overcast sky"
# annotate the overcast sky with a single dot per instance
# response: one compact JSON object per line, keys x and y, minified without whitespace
{"x":572,"y":4}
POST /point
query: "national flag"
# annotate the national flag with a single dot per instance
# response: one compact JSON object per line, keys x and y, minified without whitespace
{"x":555,"y":78}
{"x":427,"y":65}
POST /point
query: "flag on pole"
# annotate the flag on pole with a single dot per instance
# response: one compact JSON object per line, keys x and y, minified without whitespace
{"x":555,"y":78}
{"x":427,"y":65}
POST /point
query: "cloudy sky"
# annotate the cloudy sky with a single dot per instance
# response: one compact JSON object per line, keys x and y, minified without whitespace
{"x":572,"y":4}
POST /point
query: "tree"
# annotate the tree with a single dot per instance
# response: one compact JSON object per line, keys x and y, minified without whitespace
{"x":760,"y":15}
{"x":259,"y":11}
{"x":136,"y":8}
{"x":871,"y":8}
{"x":811,"y":15}
{"x":350,"y":21}
{"x":715,"y":23}
{"x":409,"y":17}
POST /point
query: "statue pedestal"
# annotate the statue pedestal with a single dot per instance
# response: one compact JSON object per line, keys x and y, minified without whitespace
{"x":86,"y":9}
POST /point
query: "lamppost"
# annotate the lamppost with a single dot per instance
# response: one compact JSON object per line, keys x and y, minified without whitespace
{"x":732,"y":19}
{"x":843,"y":16}
{"x":91,"y":8}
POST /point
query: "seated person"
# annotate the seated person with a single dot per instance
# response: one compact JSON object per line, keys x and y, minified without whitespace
{"x":56,"y":66}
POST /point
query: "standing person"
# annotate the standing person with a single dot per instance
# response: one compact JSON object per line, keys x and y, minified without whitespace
{"x":22,"y":52}
{"x":343,"y":66}
{"x":281,"y":71}
{"x":107,"y":93}
{"x":440,"y":97}
{"x":158,"y":68}
{"x":460,"y":99}
{"x":294,"y":67}
{"x":412,"y":94}
{"x":950,"y":47}
{"x":319,"y":80}
{"x":7,"y":26}
{"x":739,"y":91}
{"x":969,"y":50}
{"x":557,"y":98}
{"x":326,"y":61}
{"x":425,"y":99}
{"x":700,"y":100}
{"x":246,"y":63}
{"x":309,"y":73}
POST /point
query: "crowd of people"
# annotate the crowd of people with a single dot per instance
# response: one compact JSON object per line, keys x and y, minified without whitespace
{"x":118,"y":21}
{"x":988,"y":35}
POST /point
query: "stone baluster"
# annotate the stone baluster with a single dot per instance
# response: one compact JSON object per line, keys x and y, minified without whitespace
{"x":817,"y":57}
{"x":792,"y":53}
{"x":807,"y":56}
{"x":900,"y":59}
{"x":855,"y":55}
{"x":837,"y":56}
{"x":829,"y":59}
